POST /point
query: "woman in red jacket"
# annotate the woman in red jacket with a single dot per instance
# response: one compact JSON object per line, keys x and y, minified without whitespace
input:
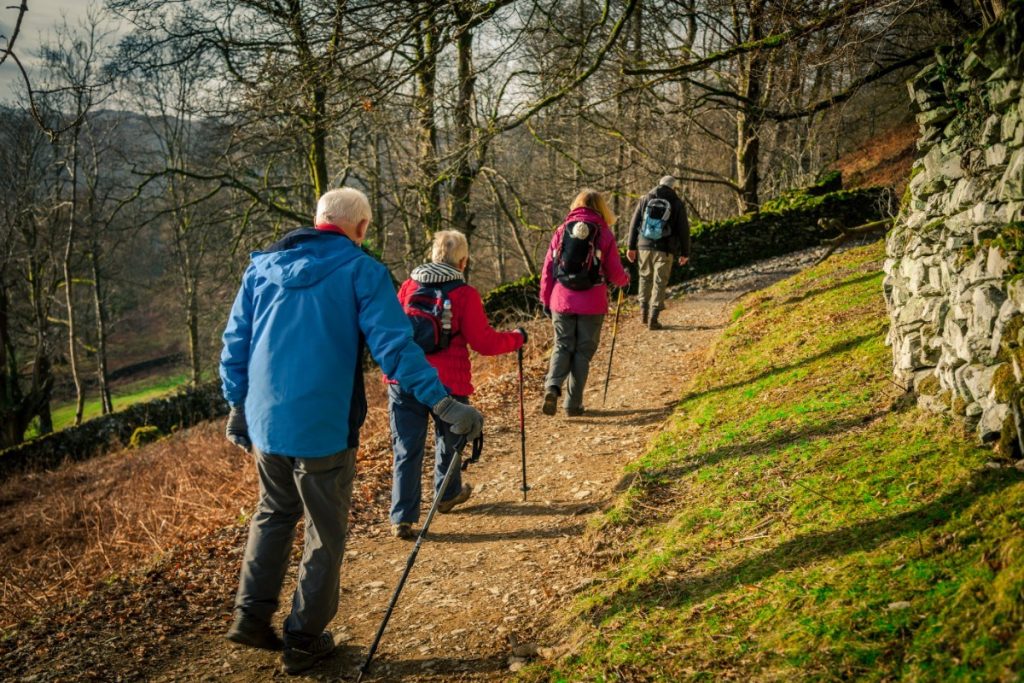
{"x":409,"y":417}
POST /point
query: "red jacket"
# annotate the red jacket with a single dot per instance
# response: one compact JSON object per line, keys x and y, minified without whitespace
{"x":469,"y":328}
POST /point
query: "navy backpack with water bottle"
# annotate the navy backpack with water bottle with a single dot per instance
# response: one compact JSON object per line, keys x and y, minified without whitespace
{"x":429,"y":309}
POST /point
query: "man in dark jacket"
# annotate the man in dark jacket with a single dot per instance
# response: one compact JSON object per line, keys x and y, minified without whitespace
{"x":661,"y":234}
{"x":292,"y":373}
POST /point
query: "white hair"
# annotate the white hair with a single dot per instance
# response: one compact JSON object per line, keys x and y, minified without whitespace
{"x":450,"y":246}
{"x":344,"y":205}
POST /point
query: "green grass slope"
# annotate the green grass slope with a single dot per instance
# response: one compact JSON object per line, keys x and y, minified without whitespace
{"x":801,"y":519}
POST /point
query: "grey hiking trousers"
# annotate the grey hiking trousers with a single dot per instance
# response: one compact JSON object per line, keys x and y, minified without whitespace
{"x":655,"y":268}
{"x":321,"y":490}
{"x":576,"y":340}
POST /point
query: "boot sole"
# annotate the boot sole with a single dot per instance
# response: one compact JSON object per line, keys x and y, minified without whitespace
{"x":305,"y":664}
{"x":445,"y":507}
{"x":550,"y":404}
{"x":258,"y":643}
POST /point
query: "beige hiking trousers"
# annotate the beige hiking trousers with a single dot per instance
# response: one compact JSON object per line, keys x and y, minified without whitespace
{"x":655,"y":267}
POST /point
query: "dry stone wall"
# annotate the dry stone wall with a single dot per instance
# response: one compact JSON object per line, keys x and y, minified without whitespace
{"x":186,"y":408}
{"x":955,"y":258}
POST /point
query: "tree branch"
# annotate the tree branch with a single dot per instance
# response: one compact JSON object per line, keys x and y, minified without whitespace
{"x":772,"y":42}
{"x":578,"y":80}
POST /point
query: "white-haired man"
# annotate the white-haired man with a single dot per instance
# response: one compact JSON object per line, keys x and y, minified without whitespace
{"x":292,"y":372}
{"x":661,"y":233}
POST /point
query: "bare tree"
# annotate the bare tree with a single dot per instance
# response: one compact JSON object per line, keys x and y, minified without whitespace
{"x":29,"y":275}
{"x":76,"y":84}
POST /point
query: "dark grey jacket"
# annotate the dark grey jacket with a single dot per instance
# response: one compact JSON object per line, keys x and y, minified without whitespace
{"x":677,"y":242}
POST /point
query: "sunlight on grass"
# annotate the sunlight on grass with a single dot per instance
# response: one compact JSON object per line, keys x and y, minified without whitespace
{"x":122,"y":397}
{"x":800,"y":520}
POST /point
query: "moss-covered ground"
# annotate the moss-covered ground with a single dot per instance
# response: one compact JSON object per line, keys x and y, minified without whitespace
{"x":801,"y":519}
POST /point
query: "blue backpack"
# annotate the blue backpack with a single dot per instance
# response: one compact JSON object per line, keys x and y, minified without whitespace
{"x":656,"y":216}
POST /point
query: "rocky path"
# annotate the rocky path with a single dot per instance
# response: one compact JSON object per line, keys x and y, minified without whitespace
{"x":494,"y":572}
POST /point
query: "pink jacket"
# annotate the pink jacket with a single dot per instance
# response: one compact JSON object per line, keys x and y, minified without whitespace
{"x":593,"y":301}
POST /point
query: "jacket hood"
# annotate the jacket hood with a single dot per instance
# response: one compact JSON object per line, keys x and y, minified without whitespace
{"x":433,"y":273}
{"x":664,"y":192}
{"x":304,"y":257}
{"x":587,"y":214}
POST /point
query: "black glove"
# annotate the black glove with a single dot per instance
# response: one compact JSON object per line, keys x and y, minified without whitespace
{"x":464,"y":418}
{"x":523,"y":332}
{"x":547,"y":312}
{"x":237,"y":430}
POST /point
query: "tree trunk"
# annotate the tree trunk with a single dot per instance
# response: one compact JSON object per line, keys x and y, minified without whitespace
{"x":748,"y":123}
{"x":69,"y":298}
{"x":499,"y":246}
{"x":318,"y":144}
{"x":531,"y":267}
{"x":42,"y":378}
{"x":380,"y":228}
{"x":991,"y":10}
{"x":192,"y":323}
{"x":429,"y":185}
{"x":465,"y":169}
{"x":106,"y":404}
{"x":10,"y":393}
{"x":42,"y":372}
{"x":17,"y":408}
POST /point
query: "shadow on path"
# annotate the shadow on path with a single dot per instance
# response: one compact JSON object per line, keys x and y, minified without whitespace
{"x":513,"y":509}
{"x":693,"y":328}
{"x":345,"y":662}
{"x":489,"y":536}
{"x":628,"y":417}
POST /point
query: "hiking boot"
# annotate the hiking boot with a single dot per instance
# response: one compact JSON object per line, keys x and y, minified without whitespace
{"x":654,"y":324}
{"x":644,"y":310}
{"x":298,"y":659}
{"x":462,"y":497}
{"x":402,"y":530}
{"x":574,"y":411}
{"x":253,"y":632}
{"x":550,"y":402}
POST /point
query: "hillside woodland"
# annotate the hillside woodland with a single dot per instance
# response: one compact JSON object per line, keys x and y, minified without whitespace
{"x":813,"y":472}
{"x":162,"y":141}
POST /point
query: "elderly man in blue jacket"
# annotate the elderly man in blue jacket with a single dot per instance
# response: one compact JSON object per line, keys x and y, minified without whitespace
{"x":292,"y":373}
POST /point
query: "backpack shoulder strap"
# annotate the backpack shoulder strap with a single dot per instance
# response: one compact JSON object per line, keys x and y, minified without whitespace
{"x":450,"y":286}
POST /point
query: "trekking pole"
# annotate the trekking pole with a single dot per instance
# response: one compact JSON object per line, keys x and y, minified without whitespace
{"x":522,"y":422}
{"x":615,"y":329}
{"x":452,"y":467}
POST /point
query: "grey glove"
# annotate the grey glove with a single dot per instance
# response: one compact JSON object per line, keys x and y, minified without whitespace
{"x":237,"y":430}
{"x":464,"y":418}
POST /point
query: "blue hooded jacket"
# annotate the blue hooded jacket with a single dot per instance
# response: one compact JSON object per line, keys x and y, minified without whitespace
{"x":293,"y":345}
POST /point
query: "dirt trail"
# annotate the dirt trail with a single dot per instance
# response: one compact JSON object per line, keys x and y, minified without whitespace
{"x":500,"y":566}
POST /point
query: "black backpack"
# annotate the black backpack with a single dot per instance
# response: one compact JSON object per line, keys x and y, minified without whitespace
{"x":577,"y":265}
{"x":430,"y":314}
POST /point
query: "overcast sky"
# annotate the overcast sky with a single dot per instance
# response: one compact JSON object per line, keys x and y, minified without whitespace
{"x":42,"y":18}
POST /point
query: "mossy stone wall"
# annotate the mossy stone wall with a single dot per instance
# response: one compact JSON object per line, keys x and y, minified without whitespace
{"x":956,"y":255}
{"x":101,"y":434}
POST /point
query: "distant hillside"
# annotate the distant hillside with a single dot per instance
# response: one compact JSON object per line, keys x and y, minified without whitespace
{"x":884,"y":160}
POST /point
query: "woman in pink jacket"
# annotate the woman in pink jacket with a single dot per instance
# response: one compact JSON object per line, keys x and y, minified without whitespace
{"x":582,"y":257}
